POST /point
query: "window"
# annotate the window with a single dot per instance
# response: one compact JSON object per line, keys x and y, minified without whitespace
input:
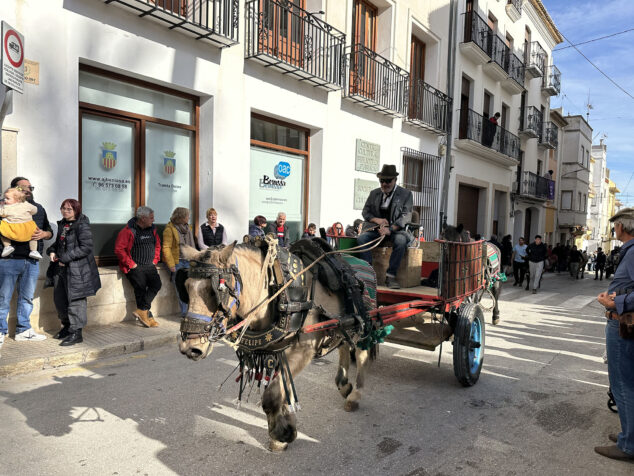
{"x":583,"y":154}
{"x":487,"y":105}
{"x":585,"y":202}
{"x":364,"y":27}
{"x":566,"y":200}
{"x":283,"y":35}
{"x":416,"y":75}
{"x":540,"y":166}
{"x":278,"y":173}
{"x":579,"y":205}
{"x":137,"y":147}
{"x":492,"y":22}
{"x":587,"y":158}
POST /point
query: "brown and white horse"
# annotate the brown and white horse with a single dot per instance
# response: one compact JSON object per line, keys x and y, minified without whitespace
{"x":203,"y":303}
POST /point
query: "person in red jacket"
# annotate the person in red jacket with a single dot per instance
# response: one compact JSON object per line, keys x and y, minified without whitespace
{"x":138,"y":250}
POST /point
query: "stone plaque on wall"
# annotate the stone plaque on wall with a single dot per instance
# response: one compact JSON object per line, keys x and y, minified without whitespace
{"x":362,"y":189}
{"x":367,"y":156}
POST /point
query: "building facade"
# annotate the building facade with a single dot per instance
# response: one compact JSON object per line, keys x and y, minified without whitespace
{"x":502,"y":130}
{"x":574,"y":181}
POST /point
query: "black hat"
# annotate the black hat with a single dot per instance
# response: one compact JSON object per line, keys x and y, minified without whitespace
{"x":388,"y":171}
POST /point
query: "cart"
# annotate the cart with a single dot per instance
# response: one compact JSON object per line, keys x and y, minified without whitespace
{"x":426,"y":316}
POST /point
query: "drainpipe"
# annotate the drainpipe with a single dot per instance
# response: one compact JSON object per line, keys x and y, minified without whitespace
{"x":451,"y":66}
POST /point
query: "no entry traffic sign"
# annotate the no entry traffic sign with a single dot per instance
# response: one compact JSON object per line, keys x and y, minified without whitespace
{"x":12,"y":58}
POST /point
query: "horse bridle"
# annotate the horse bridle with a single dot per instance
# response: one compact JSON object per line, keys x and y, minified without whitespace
{"x":213,"y":327}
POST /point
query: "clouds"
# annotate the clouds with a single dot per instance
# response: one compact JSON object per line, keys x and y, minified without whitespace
{"x":612,"y":111}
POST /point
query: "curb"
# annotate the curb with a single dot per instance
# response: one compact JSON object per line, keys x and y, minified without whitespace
{"x":82,"y":356}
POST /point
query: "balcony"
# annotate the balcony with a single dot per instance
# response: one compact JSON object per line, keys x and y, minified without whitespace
{"x":212,"y":21}
{"x":535,"y":60}
{"x":572,"y":218}
{"x":375,"y":82}
{"x":532,"y":186}
{"x":479,"y":135}
{"x":499,"y":53}
{"x":477,"y":38}
{"x":514,"y":9}
{"x":548,"y":139}
{"x":514,"y":83}
{"x":429,"y":108}
{"x":281,"y":35}
{"x":531,"y":125}
{"x":551,"y":84}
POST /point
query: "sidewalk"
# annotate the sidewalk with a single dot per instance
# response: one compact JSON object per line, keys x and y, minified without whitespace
{"x":99,"y":342}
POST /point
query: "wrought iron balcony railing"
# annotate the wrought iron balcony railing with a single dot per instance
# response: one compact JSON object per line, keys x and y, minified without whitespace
{"x":498,"y":51}
{"x":477,"y":31}
{"x":375,"y":82}
{"x":515,"y":69}
{"x":552,"y":80}
{"x":481,"y":129}
{"x":215,"y":21}
{"x":549,"y":136}
{"x":429,"y":108}
{"x":532,"y":185}
{"x":283,"y":35}
{"x":535,"y":59}
{"x":531,"y":125}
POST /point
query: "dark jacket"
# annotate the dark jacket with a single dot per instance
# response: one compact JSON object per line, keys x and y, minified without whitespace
{"x":401,"y":207}
{"x":600,"y":261}
{"x":125,"y":241}
{"x":507,"y":252}
{"x":272,"y":228}
{"x":255,"y":230}
{"x":536,"y":253}
{"x":75,"y":251}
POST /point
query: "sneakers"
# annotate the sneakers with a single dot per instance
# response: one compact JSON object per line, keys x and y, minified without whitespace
{"x":29,"y":335}
{"x":35,"y":255}
{"x":1,"y":340}
{"x":7,"y":251}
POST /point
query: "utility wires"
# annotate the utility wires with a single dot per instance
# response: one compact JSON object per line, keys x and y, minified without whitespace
{"x":593,"y":40}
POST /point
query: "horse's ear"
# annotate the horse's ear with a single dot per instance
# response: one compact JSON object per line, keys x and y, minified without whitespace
{"x":459,"y":228}
{"x":189,"y":253}
{"x":226,"y":253}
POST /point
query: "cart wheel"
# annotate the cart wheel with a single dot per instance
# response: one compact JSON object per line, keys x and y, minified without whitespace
{"x":468,"y":344}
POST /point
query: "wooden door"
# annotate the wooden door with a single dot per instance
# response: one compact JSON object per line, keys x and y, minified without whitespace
{"x":179,"y":7}
{"x":363,"y":68}
{"x":283,"y":30}
{"x":468,"y":208}
{"x":416,"y":76}
{"x":464,"y":109}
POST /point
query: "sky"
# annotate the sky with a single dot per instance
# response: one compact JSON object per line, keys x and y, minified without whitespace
{"x":612,"y":112}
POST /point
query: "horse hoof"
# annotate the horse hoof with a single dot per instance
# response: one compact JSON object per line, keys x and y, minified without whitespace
{"x":351,"y":406}
{"x":345,"y":390}
{"x":496,"y":321}
{"x":277,"y":446}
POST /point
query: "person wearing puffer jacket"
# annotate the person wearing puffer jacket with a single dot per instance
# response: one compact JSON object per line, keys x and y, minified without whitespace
{"x":176,"y":233}
{"x":74,"y":271}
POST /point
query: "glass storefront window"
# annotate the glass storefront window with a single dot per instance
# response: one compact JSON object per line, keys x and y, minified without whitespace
{"x":168,"y":160}
{"x":264,"y":131}
{"x":108,"y":92}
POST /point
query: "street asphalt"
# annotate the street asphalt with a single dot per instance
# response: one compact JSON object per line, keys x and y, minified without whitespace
{"x":538,"y":408}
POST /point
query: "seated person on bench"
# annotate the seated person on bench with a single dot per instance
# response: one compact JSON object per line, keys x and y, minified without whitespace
{"x":389,"y":208}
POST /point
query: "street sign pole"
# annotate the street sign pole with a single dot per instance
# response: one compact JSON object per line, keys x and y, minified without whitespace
{"x":12,"y":75}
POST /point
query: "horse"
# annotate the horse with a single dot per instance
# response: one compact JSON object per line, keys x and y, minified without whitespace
{"x":248,"y":283}
{"x":459,"y":234}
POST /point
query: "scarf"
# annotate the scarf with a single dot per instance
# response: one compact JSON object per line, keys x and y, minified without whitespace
{"x":185,"y":235}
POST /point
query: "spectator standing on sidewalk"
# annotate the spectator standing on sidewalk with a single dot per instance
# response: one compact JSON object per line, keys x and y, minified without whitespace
{"x":519,"y":262}
{"x":619,"y":335}
{"x":74,"y":271}
{"x":536,"y":253}
{"x":176,"y":233}
{"x":19,"y":270}
{"x":138,"y":249}
{"x":599,"y":264}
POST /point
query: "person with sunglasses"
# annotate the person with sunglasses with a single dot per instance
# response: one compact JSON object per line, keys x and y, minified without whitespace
{"x":389,"y":208}
{"x":20,"y":270}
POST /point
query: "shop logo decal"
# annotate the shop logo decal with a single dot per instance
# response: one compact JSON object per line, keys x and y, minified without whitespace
{"x":169,"y":162}
{"x":281,"y":171}
{"x":108,"y":155}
